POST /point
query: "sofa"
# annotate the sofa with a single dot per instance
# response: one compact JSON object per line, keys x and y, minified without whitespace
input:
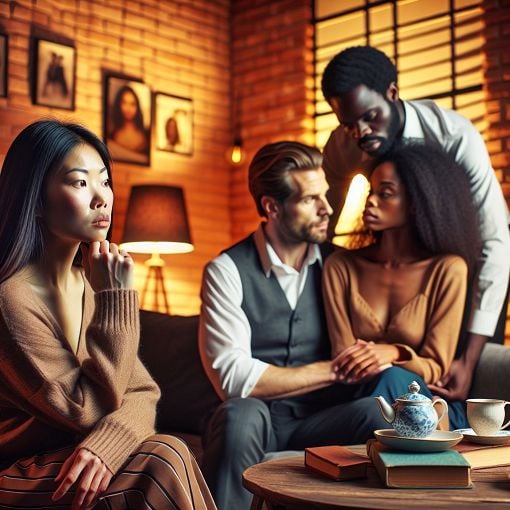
{"x":169,"y":349}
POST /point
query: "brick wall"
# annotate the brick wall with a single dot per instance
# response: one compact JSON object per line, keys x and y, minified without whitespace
{"x":176,"y":47}
{"x":272,"y":69}
{"x":497,"y":89}
{"x":183,"y":47}
{"x":497,"y":86}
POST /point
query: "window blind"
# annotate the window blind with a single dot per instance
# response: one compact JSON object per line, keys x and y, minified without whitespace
{"x":435,"y":44}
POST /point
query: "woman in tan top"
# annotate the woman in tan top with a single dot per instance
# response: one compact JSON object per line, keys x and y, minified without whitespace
{"x":77,"y":407}
{"x":395,"y":308}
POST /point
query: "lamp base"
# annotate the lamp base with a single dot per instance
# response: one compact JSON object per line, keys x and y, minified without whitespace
{"x":155,"y":261}
{"x":155,"y":274}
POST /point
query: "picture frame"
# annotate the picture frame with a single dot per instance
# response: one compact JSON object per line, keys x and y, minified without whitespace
{"x":174,"y":123}
{"x":4,"y":59}
{"x":55,"y":74}
{"x":127,"y":119}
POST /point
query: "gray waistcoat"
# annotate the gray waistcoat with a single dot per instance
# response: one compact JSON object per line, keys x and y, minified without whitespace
{"x":281,"y":336}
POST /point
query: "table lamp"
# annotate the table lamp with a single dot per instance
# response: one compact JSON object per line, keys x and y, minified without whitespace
{"x":156,"y":223}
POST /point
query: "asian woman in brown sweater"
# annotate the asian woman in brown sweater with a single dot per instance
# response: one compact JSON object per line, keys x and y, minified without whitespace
{"x":77,"y":407}
{"x":394,"y":308}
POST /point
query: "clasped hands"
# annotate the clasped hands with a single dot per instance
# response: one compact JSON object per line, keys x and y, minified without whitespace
{"x":362,"y":361}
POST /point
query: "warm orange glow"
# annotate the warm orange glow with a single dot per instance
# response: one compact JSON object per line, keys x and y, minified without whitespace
{"x":236,"y":154}
{"x":350,"y":218}
{"x":157,"y":247}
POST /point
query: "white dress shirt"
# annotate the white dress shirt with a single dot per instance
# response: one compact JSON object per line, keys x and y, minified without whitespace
{"x":428,"y":122}
{"x":224,"y":332}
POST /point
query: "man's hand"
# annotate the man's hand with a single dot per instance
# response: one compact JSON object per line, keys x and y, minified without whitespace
{"x":90,"y":475}
{"x":455,"y":384}
{"x":363,"y":360}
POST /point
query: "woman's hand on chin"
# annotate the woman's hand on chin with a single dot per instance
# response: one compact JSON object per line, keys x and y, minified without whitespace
{"x":107,"y":267}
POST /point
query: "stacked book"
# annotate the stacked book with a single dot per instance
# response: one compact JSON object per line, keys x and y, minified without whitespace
{"x":399,"y":469}
{"x":488,"y":462}
{"x":454,"y":468}
{"x":336,"y":462}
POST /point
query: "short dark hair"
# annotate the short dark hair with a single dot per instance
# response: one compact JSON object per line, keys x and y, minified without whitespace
{"x":444,"y":215}
{"x":35,"y":152}
{"x":269,"y":170}
{"x":358,"y":65}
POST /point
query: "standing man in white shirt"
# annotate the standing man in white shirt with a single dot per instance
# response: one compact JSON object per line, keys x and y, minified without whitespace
{"x":360,"y":85}
{"x":263,"y":337}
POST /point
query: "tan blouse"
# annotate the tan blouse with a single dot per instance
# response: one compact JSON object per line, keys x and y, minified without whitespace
{"x":427,"y":327}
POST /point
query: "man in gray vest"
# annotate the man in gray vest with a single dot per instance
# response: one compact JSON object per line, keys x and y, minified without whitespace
{"x":263,"y":338}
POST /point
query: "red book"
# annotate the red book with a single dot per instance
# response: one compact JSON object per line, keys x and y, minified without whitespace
{"x":336,"y":462}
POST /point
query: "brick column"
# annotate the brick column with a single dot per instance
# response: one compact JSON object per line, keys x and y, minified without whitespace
{"x":272,"y":66}
{"x":497,"y":89}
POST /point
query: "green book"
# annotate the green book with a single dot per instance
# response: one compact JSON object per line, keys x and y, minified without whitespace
{"x":400,"y":469}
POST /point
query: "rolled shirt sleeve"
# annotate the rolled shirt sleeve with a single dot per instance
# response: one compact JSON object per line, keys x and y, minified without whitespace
{"x":494,"y":268}
{"x":225,"y":333}
{"x":426,"y":121}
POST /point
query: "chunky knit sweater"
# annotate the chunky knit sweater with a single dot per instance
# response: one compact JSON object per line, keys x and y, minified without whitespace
{"x":100,"y":398}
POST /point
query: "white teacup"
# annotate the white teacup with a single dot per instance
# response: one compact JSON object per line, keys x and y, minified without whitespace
{"x":486,"y":415}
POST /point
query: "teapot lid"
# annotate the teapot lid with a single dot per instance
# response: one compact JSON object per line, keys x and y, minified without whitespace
{"x":413,"y":394}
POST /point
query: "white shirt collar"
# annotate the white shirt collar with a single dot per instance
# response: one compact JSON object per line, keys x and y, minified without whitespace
{"x":312,"y":255}
{"x":412,"y":126}
{"x":269,"y":258}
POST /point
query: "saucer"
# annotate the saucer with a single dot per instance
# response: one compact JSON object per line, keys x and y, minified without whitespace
{"x":501,"y":437}
{"x":438,"y":441}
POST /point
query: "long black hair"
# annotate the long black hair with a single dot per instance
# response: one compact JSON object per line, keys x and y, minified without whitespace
{"x":34,"y":153}
{"x":118,"y":119}
{"x":444,"y":215}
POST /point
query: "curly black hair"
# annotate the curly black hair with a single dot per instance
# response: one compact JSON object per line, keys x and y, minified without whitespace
{"x":445,"y":218}
{"x":358,"y":65}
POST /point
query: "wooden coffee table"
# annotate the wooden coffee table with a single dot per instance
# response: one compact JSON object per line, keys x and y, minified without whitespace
{"x":285,"y":484}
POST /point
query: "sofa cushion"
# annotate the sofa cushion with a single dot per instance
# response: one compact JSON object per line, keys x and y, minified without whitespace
{"x":491,"y":379}
{"x":169,"y":350}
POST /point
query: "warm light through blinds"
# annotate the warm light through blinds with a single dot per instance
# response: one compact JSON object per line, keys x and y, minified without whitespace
{"x":436,"y":45}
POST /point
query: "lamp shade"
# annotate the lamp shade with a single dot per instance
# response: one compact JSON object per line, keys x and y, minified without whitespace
{"x":156,"y":221}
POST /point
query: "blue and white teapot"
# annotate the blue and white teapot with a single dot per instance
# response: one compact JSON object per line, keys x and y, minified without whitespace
{"x":412,"y":414}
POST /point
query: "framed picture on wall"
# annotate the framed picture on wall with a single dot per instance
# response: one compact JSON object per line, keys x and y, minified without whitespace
{"x":3,"y":64}
{"x":55,"y":74}
{"x":174,"y":123}
{"x":127,"y":119}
